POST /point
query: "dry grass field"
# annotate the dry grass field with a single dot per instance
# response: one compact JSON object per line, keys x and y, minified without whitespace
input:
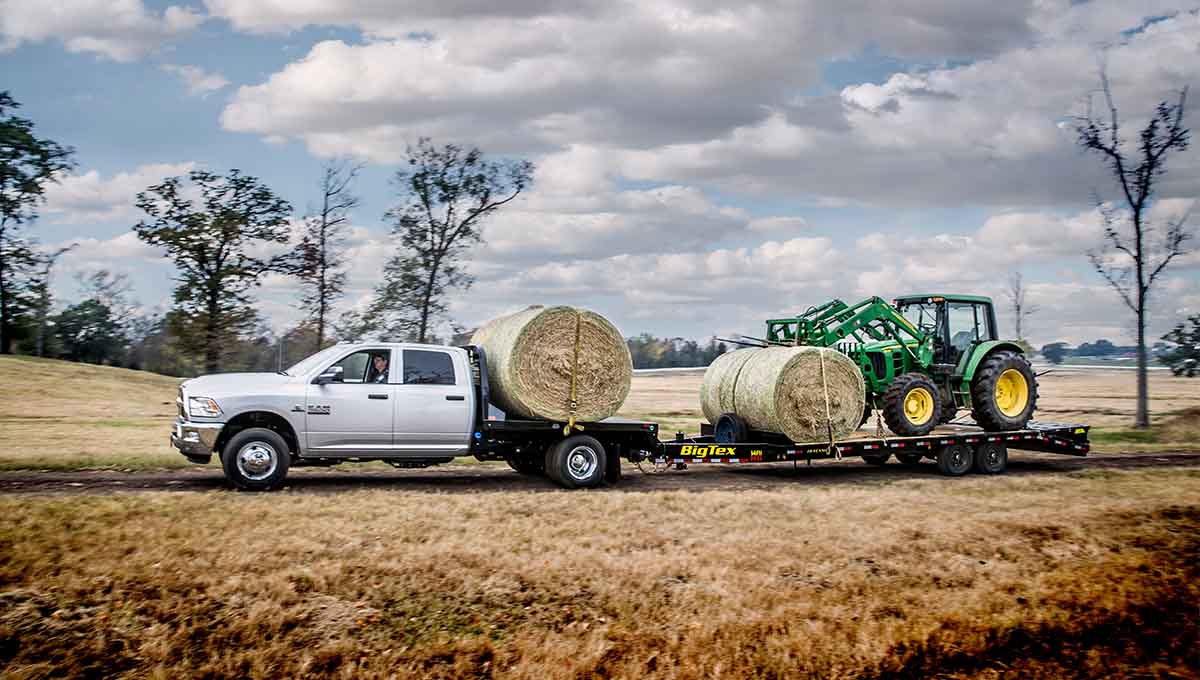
{"x":1084,"y":575}
{"x":59,"y":415}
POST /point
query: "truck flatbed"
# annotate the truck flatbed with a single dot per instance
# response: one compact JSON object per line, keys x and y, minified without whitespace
{"x":947,"y":445}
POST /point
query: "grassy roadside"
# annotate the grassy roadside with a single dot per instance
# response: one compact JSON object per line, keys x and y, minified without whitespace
{"x":1179,"y":432}
{"x":1089,"y":574}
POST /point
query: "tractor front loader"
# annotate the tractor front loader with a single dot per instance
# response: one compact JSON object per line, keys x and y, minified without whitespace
{"x":923,"y":358}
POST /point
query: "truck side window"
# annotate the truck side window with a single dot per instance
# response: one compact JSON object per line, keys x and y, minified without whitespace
{"x":360,"y":366}
{"x":424,"y":367}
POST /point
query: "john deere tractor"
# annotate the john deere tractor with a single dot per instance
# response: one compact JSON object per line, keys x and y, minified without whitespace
{"x":923,"y":358}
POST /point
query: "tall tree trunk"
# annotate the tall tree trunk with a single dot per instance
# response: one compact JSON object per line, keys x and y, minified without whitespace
{"x":1142,"y":420}
{"x":212,"y":348}
{"x":427,"y":301}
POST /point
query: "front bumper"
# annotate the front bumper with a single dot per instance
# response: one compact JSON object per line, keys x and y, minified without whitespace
{"x":196,"y":440}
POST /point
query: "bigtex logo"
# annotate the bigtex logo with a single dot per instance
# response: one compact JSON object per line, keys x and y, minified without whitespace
{"x":706,"y":451}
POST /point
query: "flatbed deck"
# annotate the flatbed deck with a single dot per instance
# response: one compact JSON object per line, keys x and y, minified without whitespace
{"x":1044,"y":437}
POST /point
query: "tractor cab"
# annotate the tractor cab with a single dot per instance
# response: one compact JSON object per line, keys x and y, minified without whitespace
{"x":956,"y":322}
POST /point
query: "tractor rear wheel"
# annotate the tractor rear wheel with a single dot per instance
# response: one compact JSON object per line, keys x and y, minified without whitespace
{"x":1004,"y":393}
{"x":911,"y":405}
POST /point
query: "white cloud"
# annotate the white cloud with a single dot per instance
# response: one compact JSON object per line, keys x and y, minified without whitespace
{"x":122,"y":30}
{"x":199,"y":82}
{"x":89,"y":197}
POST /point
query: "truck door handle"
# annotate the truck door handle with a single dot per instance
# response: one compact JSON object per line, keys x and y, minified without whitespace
{"x":376,"y":396}
{"x":455,"y":397}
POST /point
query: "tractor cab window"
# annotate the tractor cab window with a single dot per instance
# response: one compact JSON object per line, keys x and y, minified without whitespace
{"x":923,"y":315}
{"x":968,"y":324}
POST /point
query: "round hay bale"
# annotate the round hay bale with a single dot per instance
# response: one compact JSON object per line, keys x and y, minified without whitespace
{"x":720,"y":378}
{"x":780,"y":389}
{"x":530,"y":355}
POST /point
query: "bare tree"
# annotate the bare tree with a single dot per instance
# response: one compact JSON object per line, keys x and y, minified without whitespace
{"x":44,"y":299}
{"x":111,"y":290}
{"x":445,"y":195}
{"x":1016,"y":301}
{"x":1135,"y":252}
{"x":319,"y":262}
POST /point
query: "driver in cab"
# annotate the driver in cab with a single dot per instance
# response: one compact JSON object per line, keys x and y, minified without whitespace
{"x":379,"y":369}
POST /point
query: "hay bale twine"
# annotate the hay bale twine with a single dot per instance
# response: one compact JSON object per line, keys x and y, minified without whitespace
{"x":780,"y":389}
{"x":530,"y":354}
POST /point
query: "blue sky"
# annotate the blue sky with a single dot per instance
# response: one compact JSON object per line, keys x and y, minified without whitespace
{"x":699,"y":169}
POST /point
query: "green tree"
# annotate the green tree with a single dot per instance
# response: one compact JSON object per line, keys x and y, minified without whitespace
{"x":27,"y":165}
{"x":1135,"y":253}
{"x":88,"y":332}
{"x":212,"y":230}
{"x":1055,"y":352}
{"x":319,"y":261}
{"x":1183,"y":355}
{"x":445,"y":195}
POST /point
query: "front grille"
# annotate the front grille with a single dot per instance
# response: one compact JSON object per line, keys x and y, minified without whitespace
{"x":878,"y":364}
{"x":179,"y":405}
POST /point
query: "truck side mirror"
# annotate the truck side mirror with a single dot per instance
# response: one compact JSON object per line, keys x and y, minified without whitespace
{"x":329,"y":375}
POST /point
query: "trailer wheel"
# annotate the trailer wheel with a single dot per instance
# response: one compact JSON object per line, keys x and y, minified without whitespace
{"x":1004,"y":392}
{"x":911,"y":405}
{"x":729,"y":429}
{"x":876,"y":458}
{"x":954,"y":460}
{"x":909,"y":459}
{"x":577,"y":462}
{"x":256,"y":459}
{"x":991,"y":458}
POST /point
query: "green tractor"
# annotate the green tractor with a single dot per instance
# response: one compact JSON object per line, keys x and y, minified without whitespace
{"x":923,"y":358}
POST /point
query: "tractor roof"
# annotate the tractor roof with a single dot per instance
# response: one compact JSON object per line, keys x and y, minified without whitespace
{"x":948,"y":296}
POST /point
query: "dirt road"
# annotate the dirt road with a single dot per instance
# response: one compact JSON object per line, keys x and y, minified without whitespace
{"x":487,"y":478}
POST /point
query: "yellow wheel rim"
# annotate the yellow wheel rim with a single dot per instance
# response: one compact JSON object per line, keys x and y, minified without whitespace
{"x":1012,"y":393}
{"x":918,"y":406}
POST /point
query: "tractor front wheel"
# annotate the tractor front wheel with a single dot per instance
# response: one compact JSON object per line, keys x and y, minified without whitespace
{"x":911,"y":405}
{"x":1004,"y":392}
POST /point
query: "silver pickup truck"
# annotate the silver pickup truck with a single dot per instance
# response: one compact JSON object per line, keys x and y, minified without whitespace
{"x":407,"y":404}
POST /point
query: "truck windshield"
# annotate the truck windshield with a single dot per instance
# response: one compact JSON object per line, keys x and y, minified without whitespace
{"x":305,"y":365}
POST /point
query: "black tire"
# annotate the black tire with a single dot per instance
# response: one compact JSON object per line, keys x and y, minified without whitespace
{"x":949,"y":410}
{"x":998,"y":402}
{"x":729,"y":429}
{"x":991,"y":458}
{"x":867,"y":411}
{"x":954,"y":460}
{"x":876,"y":458}
{"x":256,"y":459}
{"x":534,"y":465}
{"x":577,"y":462}
{"x":909,"y":459}
{"x":909,"y":391}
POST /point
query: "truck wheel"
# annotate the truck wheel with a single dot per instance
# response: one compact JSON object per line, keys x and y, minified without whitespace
{"x":911,"y":405}
{"x":876,"y":458}
{"x":1004,"y":392}
{"x":954,"y":460}
{"x":256,"y":459}
{"x":577,"y":462}
{"x":991,"y":458}
{"x":729,"y":429}
{"x":909,"y":459}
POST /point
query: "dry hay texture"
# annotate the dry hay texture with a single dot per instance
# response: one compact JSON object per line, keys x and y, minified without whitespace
{"x":530,"y":354}
{"x":780,"y":389}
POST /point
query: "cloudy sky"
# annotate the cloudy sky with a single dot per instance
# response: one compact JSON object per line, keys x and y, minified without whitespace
{"x":700,"y":168}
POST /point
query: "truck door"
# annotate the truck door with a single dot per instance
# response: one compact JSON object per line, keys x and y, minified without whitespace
{"x":433,"y":405}
{"x":353,"y":416}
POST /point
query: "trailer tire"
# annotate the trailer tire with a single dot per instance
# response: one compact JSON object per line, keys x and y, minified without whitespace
{"x":909,"y":459}
{"x":991,"y":458}
{"x":577,"y":462}
{"x":730,"y":429}
{"x":876,"y":458}
{"x":954,"y":460}
{"x":1004,"y":392}
{"x":912,"y":405}
{"x":256,"y":459}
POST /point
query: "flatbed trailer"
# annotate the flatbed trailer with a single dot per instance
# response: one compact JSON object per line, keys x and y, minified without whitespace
{"x":957,"y":449}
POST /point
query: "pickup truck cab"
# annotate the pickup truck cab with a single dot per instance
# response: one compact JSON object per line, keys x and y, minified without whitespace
{"x":410,"y":405}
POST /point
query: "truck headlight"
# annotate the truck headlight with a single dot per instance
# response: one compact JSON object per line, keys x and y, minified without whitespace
{"x":203,"y":406}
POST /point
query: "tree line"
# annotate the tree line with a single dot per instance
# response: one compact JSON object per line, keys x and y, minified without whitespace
{"x":224,"y":233}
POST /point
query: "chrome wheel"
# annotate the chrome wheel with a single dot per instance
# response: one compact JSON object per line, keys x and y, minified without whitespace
{"x":257,"y":461}
{"x":582,"y":462}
